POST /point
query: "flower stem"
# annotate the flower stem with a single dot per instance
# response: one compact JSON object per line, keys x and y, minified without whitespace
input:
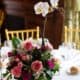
{"x":43,"y":32}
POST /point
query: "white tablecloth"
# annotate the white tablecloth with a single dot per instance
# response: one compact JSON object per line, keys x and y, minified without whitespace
{"x":68,"y":58}
{"x":66,"y":77}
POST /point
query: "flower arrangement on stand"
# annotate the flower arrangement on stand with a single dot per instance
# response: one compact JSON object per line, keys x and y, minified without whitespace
{"x":44,"y":8}
{"x":30,"y":61}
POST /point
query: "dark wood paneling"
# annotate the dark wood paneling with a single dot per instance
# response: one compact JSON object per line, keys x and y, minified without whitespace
{"x":15,"y":7}
{"x":54,"y":27}
{"x":61,"y":3}
{"x":25,"y":9}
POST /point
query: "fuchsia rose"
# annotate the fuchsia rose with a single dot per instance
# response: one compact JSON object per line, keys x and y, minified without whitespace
{"x":50,"y":64}
{"x":28,"y":46}
{"x":16,"y":71}
{"x":37,"y":66}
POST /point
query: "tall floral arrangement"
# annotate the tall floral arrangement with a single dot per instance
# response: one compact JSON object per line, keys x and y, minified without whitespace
{"x":44,"y":8}
{"x":28,"y":60}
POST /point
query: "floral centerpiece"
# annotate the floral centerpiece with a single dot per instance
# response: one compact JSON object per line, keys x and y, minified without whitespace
{"x":28,"y":60}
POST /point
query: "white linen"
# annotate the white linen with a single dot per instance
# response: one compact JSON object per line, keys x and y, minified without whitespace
{"x":68,"y":57}
{"x":66,"y":77}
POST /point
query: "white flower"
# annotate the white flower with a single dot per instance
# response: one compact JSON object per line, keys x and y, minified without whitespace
{"x":8,"y":43}
{"x":54,"y":3}
{"x":42,"y":8}
{"x":4,"y":65}
{"x":4,"y":51}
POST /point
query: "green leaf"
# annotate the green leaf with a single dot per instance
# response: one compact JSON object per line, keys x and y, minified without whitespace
{"x":49,"y":73}
{"x":15,"y":42}
{"x":45,"y":56}
{"x":19,"y":78}
{"x":7,"y":75}
{"x":43,"y":77}
{"x":56,"y":68}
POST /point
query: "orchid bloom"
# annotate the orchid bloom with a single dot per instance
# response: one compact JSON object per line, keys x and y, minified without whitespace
{"x":42,"y":8}
{"x":54,"y":3}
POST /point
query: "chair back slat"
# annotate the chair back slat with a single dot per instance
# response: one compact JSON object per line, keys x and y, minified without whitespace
{"x":17,"y":35}
{"x":22,"y":34}
{"x":72,"y":35}
{"x":27,"y":34}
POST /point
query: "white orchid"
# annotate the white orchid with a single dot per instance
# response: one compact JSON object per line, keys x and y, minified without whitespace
{"x":54,"y":3}
{"x":42,"y":8}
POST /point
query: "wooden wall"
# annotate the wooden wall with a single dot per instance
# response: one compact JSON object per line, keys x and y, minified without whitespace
{"x":15,"y":7}
{"x":31,"y":18}
{"x":24,"y":8}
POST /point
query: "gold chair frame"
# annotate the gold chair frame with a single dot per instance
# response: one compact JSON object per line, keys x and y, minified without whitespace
{"x":72,"y":35}
{"x":25,"y":34}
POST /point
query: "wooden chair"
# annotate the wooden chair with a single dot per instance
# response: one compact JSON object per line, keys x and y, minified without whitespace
{"x":23,"y":34}
{"x":72,"y":35}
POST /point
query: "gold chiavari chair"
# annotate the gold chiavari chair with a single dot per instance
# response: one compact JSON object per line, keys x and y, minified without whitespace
{"x":23,"y":34}
{"x":72,"y":35}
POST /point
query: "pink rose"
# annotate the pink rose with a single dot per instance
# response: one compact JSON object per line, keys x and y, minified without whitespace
{"x":25,"y":57}
{"x":16,"y":59}
{"x":37,"y":66}
{"x":16,"y":71}
{"x":28,"y":46}
{"x":20,"y":64}
{"x":48,"y":46}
